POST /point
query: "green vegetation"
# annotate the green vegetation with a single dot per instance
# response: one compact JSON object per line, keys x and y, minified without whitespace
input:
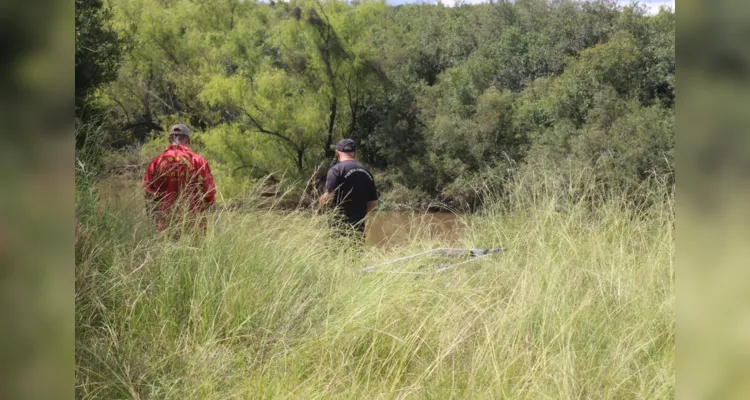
{"x":550,"y":123}
{"x":438,"y":98}
{"x":579,"y":305}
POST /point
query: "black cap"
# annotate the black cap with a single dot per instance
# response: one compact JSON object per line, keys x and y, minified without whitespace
{"x":179,"y":129}
{"x":346,"y":146}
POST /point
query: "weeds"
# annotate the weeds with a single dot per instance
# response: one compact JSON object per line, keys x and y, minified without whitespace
{"x":269,"y":304}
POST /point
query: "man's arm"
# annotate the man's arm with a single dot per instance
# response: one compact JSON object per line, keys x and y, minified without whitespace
{"x":209,"y":188}
{"x":150,"y":179}
{"x":150,"y":186}
{"x":371,"y":205}
{"x":331,"y":184}
{"x":325,"y":199}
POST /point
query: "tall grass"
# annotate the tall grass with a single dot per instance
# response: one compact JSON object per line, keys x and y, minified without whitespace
{"x":270,"y":305}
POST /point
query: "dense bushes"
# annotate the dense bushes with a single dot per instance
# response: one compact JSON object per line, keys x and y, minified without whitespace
{"x":434,"y":95}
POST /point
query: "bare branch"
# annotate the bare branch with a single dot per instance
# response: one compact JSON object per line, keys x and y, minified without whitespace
{"x":148,"y":124}
{"x":260,"y":128}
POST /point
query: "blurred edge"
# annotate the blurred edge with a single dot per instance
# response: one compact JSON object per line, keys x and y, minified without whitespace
{"x":713,"y":206}
{"x":36,"y":218}
{"x":36,"y":224}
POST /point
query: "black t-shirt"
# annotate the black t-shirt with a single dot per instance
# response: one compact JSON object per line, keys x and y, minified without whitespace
{"x":352,"y":186}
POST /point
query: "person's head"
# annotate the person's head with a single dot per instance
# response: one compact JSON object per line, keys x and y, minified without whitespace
{"x":346,"y":149}
{"x":179,"y":134}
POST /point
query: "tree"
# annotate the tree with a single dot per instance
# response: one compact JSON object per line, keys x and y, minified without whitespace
{"x":97,"y":52}
{"x":319,"y":66}
{"x":434,"y":95}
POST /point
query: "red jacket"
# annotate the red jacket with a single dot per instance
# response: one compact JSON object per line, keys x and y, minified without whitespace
{"x":175,"y":178}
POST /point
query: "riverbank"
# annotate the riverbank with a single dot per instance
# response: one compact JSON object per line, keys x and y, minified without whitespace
{"x":121,"y":190}
{"x":269,"y":304}
{"x":124,"y":170}
{"x":387,"y":227}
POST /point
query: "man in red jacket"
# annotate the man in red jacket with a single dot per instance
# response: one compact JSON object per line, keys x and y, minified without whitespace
{"x":179,"y":183}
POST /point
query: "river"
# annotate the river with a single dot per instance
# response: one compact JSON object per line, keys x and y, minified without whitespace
{"x":389,"y":228}
{"x":385,"y":229}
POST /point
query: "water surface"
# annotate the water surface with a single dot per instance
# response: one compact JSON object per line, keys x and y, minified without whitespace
{"x":391,"y":228}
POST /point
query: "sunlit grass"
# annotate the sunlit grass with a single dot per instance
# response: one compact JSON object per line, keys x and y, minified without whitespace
{"x":270,"y":304}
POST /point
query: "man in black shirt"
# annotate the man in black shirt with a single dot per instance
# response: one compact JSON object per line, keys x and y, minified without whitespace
{"x":350,"y":187}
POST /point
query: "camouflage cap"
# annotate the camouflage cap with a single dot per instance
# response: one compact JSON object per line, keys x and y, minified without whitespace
{"x":179,"y":129}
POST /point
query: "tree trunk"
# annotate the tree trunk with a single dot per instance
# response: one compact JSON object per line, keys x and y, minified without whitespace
{"x":329,"y":140}
{"x":300,"y":159}
{"x":353,"y":122}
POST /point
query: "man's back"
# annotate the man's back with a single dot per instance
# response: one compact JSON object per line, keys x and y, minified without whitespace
{"x":175,"y":175}
{"x":353,"y":187}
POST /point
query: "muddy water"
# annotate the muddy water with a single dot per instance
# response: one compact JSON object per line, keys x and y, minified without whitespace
{"x":391,"y":228}
{"x":385,"y":229}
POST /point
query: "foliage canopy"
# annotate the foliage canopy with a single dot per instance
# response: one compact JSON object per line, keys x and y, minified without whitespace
{"x":434,"y":95}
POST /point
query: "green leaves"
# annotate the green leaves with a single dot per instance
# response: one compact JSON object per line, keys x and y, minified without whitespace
{"x":431,"y":93}
{"x":97,"y":51}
